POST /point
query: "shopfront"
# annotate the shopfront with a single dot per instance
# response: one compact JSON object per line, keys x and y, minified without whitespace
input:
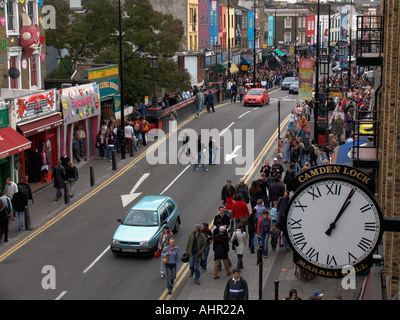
{"x":107,"y":79}
{"x":12,"y":144}
{"x":36,"y":117}
{"x":81,"y":109}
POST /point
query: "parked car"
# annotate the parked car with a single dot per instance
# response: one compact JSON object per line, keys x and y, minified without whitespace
{"x":257,"y":96}
{"x":140,"y":229}
{"x":287,"y":81}
{"x":294,"y":87}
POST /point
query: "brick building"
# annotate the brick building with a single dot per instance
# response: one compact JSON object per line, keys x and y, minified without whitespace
{"x":388,"y":183}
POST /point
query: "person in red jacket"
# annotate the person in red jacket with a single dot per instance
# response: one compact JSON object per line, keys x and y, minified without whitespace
{"x":240,"y":210}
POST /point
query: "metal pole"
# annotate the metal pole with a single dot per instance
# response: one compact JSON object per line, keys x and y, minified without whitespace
{"x":279,"y":121}
{"x":260,"y":270}
{"x":121,"y":77}
{"x":27,"y":219}
{"x":114,"y":162}
{"x":66,"y":193}
{"x":276,"y":284}
{"x":349,"y":53}
{"x":92,"y":182}
{"x":316,"y":95}
{"x":254,"y":45}
{"x":229,"y":42}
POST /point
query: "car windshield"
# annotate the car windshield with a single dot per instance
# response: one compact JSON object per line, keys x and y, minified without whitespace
{"x":288,"y":79}
{"x":141,"y":218}
{"x":255,"y":92}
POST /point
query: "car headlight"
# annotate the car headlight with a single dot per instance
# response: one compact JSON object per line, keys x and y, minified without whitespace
{"x":143,"y":243}
{"x":114,"y":241}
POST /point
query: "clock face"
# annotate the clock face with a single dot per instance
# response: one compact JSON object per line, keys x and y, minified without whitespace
{"x":333,"y":223}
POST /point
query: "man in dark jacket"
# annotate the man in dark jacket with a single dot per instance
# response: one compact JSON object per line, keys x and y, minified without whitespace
{"x":221,"y":249}
{"x":210,"y":101}
{"x":4,"y":217}
{"x":276,"y":189}
{"x":58,"y":176}
{"x":19,"y":202}
{"x":236,"y":288}
{"x":195,"y":247}
{"x":290,"y":175}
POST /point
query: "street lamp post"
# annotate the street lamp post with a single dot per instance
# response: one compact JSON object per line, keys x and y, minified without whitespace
{"x":121,"y":85}
{"x":154,"y":66}
{"x":316,"y":94}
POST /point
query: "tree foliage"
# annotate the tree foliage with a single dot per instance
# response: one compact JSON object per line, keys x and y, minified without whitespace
{"x":94,"y":36}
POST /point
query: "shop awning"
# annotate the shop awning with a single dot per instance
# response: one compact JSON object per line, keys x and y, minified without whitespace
{"x":280,"y":53}
{"x":35,"y":127}
{"x":222,"y":67}
{"x":234,"y":69}
{"x":247,"y":60}
{"x":11,"y":142}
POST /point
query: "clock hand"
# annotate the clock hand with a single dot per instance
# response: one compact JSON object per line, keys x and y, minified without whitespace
{"x":344,"y":207}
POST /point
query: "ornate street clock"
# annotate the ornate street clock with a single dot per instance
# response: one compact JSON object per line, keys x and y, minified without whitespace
{"x":333,"y":221}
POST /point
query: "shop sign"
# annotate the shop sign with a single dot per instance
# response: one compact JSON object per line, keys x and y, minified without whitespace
{"x":4,"y":118}
{"x":107,"y":78}
{"x":80,"y":102}
{"x":34,"y":106}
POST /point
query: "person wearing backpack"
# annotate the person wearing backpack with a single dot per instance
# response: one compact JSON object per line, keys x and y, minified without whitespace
{"x":144,"y":129}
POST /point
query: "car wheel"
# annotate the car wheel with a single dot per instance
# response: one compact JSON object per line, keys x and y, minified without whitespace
{"x":176,"y":227}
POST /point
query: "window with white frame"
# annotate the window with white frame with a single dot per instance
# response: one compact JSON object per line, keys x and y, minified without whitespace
{"x":12,"y":23}
{"x":34,"y":72}
{"x":288,"y":22}
{"x":287,"y":37}
{"x":32,"y":10}
{"x":14,"y":61}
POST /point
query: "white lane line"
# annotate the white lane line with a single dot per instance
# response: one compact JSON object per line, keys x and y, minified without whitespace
{"x":61,"y":295}
{"x":97,"y":259}
{"x":244,"y":114}
{"x":223,"y":131}
{"x":255,"y":108}
{"x":139,"y":182}
{"x":173,"y":181}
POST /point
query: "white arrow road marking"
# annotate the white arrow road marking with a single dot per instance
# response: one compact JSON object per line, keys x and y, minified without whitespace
{"x":243,"y":114}
{"x":128,"y":198}
{"x":232,"y":155}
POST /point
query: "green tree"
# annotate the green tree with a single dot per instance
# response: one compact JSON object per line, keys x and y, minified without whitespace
{"x":94,"y":36}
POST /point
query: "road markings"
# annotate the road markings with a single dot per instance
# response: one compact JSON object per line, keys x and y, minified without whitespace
{"x":243,"y":114}
{"x":128,"y":198}
{"x":173,"y":181}
{"x":223,"y":131}
{"x":232,"y":155}
{"x":97,"y":259}
{"x":61,"y":295}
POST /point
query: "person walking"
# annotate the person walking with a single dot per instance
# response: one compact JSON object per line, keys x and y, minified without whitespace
{"x":19,"y":202}
{"x":110,"y":143}
{"x":172,"y":260}
{"x":195,"y":247}
{"x":263,"y":231}
{"x":212,"y":151}
{"x":200,"y":157}
{"x":240,"y":211}
{"x":210,"y":101}
{"x":4,"y":218}
{"x":11,"y":188}
{"x":241,"y":237}
{"x":101,"y":144}
{"x":163,"y":241}
{"x":241,"y":93}
{"x":58,"y":176}
{"x":64,"y":159}
{"x":71,"y":174}
{"x":221,"y":249}
{"x":233,"y":92}
{"x":236,"y":288}
{"x":197,"y":101}
{"x":209,"y":237}
{"x":252,"y":228}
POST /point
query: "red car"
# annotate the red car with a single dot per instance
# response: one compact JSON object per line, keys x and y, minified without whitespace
{"x":256,"y":96}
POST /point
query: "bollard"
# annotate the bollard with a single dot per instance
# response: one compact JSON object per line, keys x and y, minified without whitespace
{"x":276,"y":284}
{"x":114,"y":163}
{"x":92,"y":182}
{"x":260,"y":270}
{"x":66,"y":193}
{"x":27,"y":219}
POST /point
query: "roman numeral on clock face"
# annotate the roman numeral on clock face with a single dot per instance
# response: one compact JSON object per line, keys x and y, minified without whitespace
{"x":299,"y":205}
{"x":331,"y":260}
{"x":295,"y":224}
{"x":366,"y":208}
{"x":300,"y":240}
{"x":364,"y":244}
{"x":334,"y":189}
{"x":370,"y":226}
{"x":315,"y":192}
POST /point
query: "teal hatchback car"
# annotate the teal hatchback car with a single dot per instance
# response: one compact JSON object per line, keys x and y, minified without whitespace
{"x":140,"y":229}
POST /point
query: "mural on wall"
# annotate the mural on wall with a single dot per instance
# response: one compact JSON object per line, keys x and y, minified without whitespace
{"x":30,"y":39}
{"x":80,"y":102}
{"x":34,"y":105}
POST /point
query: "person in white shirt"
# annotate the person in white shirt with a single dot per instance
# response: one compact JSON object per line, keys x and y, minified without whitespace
{"x":128,"y":134}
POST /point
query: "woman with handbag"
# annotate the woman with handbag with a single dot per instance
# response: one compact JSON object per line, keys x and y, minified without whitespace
{"x":165,"y":235}
{"x":172,"y":260}
{"x":239,"y":239}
